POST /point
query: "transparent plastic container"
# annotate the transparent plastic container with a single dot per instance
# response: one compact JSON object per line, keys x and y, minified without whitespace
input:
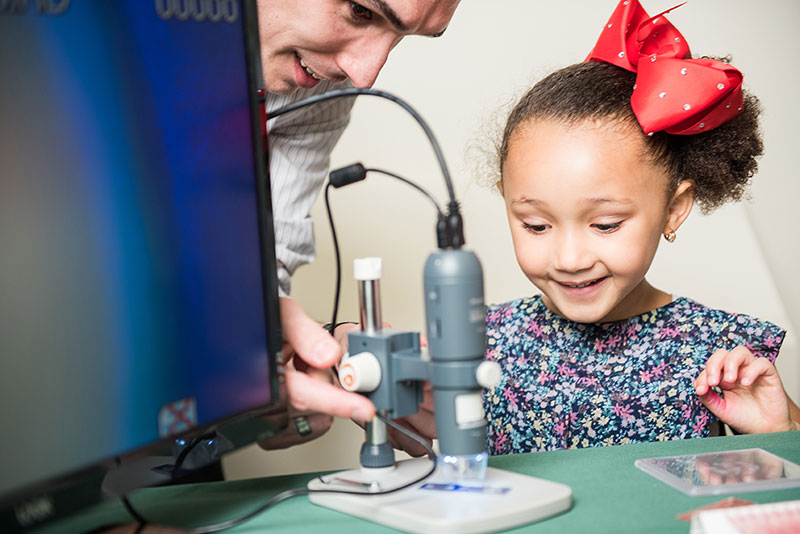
{"x":722,"y":472}
{"x":464,"y":467}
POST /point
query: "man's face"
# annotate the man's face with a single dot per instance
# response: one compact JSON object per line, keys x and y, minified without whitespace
{"x":304,"y":41}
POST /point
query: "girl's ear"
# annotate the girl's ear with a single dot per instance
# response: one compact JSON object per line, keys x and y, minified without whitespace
{"x":499,"y":185}
{"x":679,"y":206}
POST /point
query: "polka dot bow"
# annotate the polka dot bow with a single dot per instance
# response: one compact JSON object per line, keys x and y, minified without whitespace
{"x":672,"y":92}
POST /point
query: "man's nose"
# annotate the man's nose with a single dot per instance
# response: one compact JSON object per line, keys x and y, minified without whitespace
{"x":362,"y":61}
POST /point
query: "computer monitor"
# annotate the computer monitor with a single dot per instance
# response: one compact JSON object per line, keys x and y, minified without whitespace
{"x":138,"y":295}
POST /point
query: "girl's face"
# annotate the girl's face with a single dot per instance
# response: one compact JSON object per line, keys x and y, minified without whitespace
{"x":586,"y":209}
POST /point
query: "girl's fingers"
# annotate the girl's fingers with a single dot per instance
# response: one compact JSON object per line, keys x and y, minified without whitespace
{"x":701,"y":383}
{"x":714,"y":403}
{"x":714,"y":366}
{"x":751,"y":372}
{"x":723,"y":369}
{"x":733,"y":361}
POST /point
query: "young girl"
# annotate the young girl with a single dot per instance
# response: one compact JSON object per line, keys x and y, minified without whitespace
{"x":597,"y":162}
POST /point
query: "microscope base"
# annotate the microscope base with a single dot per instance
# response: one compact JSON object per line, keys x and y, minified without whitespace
{"x":504,"y":500}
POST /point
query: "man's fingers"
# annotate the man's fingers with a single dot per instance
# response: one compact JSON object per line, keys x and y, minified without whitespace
{"x":307,"y":394}
{"x":301,"y":428}
{"x":311,"y":342}
{"x":427,"y":397}
{"x":279,"y":420}
{"x":423,"y":422}
{"x":403,"y":442}
{"x":341,"y":335}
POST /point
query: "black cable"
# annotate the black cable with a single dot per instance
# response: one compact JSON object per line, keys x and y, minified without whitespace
{"x":140,"y":521}
{"x":416,"y":437}
{"x":412,"y":184}
{"x":277,"y":499}
{"x":294,"y":492}
{"x":383,"y":94}
{"x":410,"y":434}
{"x":338,"y":260}
{"x":103,"y":529}
{"x":176,"y":467}
{"x":335,"y":240}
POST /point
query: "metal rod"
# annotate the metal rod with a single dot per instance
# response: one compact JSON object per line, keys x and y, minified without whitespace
{"x":369,"y":302}
{"x":376,"y":432}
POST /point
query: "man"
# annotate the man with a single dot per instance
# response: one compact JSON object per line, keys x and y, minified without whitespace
{"x":310,"y":47}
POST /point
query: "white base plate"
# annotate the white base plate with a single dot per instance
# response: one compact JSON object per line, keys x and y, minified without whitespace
{"x":453,"y":510}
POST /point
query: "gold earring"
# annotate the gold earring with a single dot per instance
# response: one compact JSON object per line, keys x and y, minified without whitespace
{"x":670,"y":237}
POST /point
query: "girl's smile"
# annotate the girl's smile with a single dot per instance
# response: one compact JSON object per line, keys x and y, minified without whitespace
{"x":581,"y":289}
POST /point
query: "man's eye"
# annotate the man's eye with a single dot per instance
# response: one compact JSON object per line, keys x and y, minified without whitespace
{"x":360,"y":12}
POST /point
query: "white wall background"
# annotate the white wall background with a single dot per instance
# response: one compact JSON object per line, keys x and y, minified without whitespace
{"x":741,"y":258}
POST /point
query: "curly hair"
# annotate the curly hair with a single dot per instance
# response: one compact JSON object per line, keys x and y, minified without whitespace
{"x":719,"y":163}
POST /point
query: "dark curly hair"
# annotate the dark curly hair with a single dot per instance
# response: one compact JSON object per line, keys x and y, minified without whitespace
{"x":720,"y":162}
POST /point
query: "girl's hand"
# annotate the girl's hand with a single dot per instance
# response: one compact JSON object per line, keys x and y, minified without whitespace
{"x":753,"y":398}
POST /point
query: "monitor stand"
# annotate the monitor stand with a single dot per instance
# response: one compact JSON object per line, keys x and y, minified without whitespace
{"x":155,"y":471}
{"x":503,"y":500}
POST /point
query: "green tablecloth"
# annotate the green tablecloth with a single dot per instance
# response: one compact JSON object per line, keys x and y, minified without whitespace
{"x":610,"y":494}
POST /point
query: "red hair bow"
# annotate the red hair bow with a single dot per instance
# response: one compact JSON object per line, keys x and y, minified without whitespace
{"x":672,"y":92}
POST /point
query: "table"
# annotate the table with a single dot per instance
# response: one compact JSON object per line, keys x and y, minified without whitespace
{"x":610,"y":494}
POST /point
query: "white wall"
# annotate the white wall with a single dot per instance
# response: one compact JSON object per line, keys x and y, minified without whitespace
{"x":741,"y":258}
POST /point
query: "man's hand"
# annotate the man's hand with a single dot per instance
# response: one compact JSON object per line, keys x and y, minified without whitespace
{"x":309,"y":352}
{"x":340,"y":334}
{"x":753,"y":399}
{"x":421,"y":423}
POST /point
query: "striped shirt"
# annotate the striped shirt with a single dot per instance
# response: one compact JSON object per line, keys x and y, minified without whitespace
{"x":300,"y":144}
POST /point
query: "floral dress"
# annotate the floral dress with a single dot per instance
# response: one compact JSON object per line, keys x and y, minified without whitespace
{"x":567,"y":385}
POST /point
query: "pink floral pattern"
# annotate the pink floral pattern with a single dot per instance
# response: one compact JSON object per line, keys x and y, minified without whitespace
{"x":570,"y":385}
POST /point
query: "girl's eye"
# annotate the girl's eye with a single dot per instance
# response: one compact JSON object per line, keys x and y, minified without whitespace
{"x":608,"y":228}
{"x":360,"y":13}
{"x":535,"y":228}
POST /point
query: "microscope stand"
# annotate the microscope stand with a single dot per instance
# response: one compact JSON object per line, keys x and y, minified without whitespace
{"x":504,"y":500}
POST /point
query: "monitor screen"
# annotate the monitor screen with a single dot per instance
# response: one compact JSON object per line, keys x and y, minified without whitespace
{"x":137,"y":275}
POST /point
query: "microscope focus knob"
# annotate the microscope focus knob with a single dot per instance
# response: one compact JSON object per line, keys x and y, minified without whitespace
{"x":360,"y":372}
{"x":488,"y":374}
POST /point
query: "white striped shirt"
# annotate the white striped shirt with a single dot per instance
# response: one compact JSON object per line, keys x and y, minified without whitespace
{"x":300,"y":144}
